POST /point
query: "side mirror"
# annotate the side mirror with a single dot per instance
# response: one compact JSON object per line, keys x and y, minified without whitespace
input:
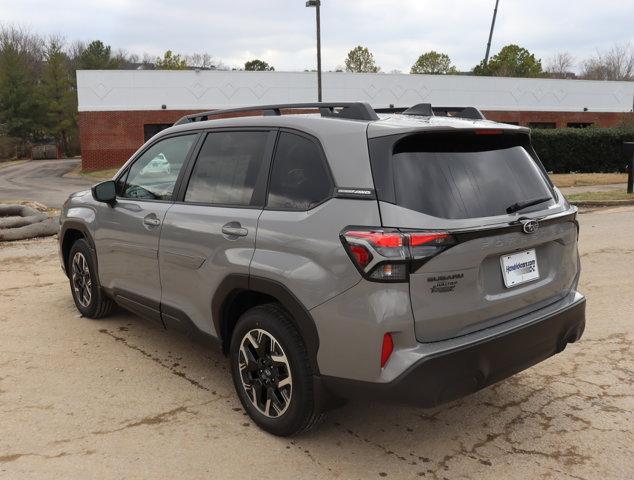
{"x":105,"y":192}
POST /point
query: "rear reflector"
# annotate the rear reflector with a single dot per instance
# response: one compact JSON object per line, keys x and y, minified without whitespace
{"x":386,"y":349}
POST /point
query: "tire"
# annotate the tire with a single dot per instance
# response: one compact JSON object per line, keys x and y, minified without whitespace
{"x":291,"y":408}
{"x":84,"y":284}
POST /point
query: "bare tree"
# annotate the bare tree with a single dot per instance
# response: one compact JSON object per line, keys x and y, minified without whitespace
{"x":560,"y":65}
{"x":202,"y":61}
{"x":615,"y":64}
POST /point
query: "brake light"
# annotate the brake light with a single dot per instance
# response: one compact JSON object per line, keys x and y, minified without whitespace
{"x":386,"y":349}
{"x":389,"y":255}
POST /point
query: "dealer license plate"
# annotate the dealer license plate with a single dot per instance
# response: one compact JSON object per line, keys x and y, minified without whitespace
{"x":518,"y":268}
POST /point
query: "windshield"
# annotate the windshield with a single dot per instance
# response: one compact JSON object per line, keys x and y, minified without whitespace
{"x":461,"y":176}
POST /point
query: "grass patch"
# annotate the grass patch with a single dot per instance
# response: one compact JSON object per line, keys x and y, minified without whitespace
{"x":106,"y":174}
{"x":102,"y":174}
{"x":586,"y":179}
{"x":611,"y":195}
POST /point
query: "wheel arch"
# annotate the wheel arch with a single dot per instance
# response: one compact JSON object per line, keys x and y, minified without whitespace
{"x":70,"y":232}
{"x":239,"y":292}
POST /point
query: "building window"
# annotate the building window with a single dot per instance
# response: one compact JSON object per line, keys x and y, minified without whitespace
{"x":542,"y":125}
{"x":579,"y":124}
{"x":151,"y":129}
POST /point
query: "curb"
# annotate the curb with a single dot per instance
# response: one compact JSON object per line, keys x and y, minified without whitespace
{"x":605,"y":203}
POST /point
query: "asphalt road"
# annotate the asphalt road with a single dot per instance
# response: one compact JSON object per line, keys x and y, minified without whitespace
{"x":42,"y":181}
{"x":121,"y":398}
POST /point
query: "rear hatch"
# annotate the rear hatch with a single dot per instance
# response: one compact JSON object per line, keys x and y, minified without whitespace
{"x":504,"y":257}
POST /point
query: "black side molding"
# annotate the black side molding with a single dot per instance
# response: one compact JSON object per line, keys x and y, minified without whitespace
{"x":235,"y":284}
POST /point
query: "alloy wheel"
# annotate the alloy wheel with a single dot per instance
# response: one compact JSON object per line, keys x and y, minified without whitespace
{"x":82,"y":283}
{"x":265,"y":373}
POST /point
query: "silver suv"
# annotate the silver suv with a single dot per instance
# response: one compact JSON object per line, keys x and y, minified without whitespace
{"x":417,"y":255}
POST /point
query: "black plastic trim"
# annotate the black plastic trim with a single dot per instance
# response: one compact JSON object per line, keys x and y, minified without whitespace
{"x":175,"y":319}
{"x":138,"y":304}
{"x":455,"y":373}
{"x":70,"y":224}
{"x":235,"y":284}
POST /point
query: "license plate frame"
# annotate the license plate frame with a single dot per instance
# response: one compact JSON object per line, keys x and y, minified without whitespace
{"x":519,"y":268}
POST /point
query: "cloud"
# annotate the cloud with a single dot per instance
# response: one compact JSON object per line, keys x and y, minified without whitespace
{"x":282,"y":32}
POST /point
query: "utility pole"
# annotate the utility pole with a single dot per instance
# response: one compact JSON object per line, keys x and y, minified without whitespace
{"x":495,"y":13}
{"x":317,"y":4}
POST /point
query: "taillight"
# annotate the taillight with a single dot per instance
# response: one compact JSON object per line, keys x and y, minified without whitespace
{"x":362,"y":255}
{"x":389,"y":255}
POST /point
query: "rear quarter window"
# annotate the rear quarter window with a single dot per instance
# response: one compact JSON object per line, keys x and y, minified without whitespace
{"x":300,"y":179}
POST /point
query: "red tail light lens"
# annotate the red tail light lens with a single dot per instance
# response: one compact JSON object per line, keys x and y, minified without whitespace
{"x":379,"y":239}
{"x":416,"y":239}
{"x":388,"y":256}
{"x":361,"y":255}
{"x":386,"y":349}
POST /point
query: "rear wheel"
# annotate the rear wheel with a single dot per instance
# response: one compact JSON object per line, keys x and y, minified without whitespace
{"x":271,"y":371}
{"x":84,"y":285}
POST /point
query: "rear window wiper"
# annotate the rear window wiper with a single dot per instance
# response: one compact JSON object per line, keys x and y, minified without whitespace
{"x":516,"y":207}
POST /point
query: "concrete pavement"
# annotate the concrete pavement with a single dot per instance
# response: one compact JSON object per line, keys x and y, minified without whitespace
{"x":121,"y":398}
{"x":43,"y":181}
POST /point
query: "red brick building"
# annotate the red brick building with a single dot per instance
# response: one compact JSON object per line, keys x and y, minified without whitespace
{"x":120,"y":110}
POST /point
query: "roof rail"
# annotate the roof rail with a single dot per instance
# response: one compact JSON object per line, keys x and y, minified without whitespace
{"x":428,"y":110}
{"x":347,"y":110}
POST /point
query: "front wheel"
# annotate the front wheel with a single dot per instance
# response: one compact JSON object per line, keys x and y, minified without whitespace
{"x":271,"y":371}
{"x":87,"y":294}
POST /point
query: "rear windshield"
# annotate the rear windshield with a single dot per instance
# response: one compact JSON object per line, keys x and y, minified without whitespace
{"x":459,"y":176}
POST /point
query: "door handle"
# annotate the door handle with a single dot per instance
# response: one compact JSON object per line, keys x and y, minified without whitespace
{"x":151,"y":221}
{"x":234,"y":229}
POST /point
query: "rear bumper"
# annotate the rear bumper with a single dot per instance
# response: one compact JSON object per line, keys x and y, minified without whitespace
{"x":451,"y":374}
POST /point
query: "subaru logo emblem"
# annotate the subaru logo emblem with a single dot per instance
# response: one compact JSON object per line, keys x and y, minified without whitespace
{"x":530,"y":226}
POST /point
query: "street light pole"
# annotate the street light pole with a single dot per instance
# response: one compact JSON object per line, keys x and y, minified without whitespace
{"x":495,"y":13}
{"x":317,"y":4}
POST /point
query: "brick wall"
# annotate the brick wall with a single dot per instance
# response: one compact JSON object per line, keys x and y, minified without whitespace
{"x":560,"y":119}
{"x":108,"y":139}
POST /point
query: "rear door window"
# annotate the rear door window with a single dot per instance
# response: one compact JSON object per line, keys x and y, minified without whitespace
{"x":300,"y":179}
{"x":459,"y":176}
{"x":228,"y":168}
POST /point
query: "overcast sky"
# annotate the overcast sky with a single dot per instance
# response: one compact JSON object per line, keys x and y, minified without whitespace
{"x":282,"y":32}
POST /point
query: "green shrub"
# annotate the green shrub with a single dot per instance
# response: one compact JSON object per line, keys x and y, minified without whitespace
{"x":589,"y":150}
